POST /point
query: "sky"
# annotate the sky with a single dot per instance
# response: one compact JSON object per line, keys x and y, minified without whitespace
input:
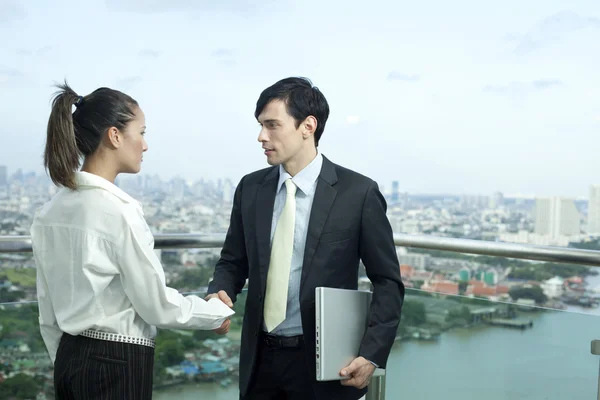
{"x":462,"y":97}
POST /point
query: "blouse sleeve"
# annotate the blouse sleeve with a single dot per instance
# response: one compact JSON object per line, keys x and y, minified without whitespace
{"x":143,"y":280}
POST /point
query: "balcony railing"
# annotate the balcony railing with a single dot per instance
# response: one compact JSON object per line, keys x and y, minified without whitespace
{"x":20,"y":244}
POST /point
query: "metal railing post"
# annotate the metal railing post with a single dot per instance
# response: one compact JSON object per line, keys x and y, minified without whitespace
{"x":596,"y":351}
{"x":376,"y":388}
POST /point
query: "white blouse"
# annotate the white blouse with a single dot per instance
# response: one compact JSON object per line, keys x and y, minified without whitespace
{"x":97,"y":269}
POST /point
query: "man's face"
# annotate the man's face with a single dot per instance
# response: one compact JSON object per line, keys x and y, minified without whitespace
{"x":281,"y":140}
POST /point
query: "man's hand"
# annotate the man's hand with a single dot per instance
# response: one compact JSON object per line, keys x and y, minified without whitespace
{"x":360,"y":372}
{"x":222,"y":295}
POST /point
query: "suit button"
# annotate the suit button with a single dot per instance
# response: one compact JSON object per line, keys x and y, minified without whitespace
{"x":256,"y":333}
{"x":260,"y":299}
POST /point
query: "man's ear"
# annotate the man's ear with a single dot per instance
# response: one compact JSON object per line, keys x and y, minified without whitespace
{"x":309,"y":126}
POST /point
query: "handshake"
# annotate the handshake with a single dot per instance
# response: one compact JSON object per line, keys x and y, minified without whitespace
{"x":222,"y":295}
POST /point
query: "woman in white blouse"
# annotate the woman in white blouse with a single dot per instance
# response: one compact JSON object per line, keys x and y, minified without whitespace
{"x":101,"y":287}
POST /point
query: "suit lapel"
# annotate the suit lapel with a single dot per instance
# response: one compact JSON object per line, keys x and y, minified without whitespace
{"x":265,"y":201}
{"x":325,"y":194}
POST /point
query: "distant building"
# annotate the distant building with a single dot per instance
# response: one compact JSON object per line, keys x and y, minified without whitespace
{"x":593,"y":224}
{"x":556,"y":217}
{"x":481,"y":289}
{"x":441,"y":287}
{"x":490,"y":277}
{"x":395,"y":192}
{"x":406,"y":271}
{"x":417,"y":260}
{"x":419,"y":275}
{"x":553,"y":288}
{"x":464,"y":274}
{"x":3,"y":176}
{"x":497,"y":200}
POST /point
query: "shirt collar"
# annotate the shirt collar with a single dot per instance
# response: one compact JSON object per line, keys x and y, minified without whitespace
{"x":304,"y":179}
{"x":85,"y":179}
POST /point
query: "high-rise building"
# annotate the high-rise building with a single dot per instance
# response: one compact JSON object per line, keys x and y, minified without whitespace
{"x":3,"y":176}
{"x":469,"y":202}
{"x":593,"y":225}
{"x":228,"y":191}
{"x":497,"y":200}
{"x":18,"y":175}
{"x":556,"y":216}
{"x":395,"y":191}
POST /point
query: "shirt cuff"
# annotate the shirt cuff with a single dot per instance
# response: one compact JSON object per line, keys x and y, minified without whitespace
{"x":376,"y":366}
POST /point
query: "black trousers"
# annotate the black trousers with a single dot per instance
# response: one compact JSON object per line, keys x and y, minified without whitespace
{"x":281,"y":371}
{"x":94,"y":369}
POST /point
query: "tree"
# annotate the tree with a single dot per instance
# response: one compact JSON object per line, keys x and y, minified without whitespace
{"x":194,"y":277}
{"x":413,"y":313}
{"x":20,"y":386}
{"x":591,"y":245}
{"x":546,"y":269}
{"x":418,"y":284}
{"x":169,"y":352}
{"x":459,"y":314}
{"x":533,"y":293}
{"x":11,"y":296}
{"x":202,"y":335}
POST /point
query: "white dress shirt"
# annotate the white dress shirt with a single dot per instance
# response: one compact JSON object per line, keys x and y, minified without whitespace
{"x":97,"y":269}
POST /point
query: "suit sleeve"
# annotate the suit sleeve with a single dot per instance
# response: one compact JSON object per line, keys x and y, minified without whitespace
{"x":378,"y":253}
{"x":231,"y":270}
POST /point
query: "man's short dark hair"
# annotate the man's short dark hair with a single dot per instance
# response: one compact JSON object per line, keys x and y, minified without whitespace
{"x":302,"y":100}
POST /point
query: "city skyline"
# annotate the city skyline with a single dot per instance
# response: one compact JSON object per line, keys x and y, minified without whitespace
{"x":454,"y":98}
{"x":386,"y":187}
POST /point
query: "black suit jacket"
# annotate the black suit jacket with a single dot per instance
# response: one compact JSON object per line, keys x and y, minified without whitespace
{"x":347,"y":223}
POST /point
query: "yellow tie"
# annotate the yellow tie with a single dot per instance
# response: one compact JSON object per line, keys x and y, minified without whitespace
{"x":281,"y":259}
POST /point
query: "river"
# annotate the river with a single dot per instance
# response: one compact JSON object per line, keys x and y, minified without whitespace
{"x":551,"y":361}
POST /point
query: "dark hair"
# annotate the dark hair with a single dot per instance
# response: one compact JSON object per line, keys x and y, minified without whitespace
{"x":73,"y":135}
{"x":302,"y":100}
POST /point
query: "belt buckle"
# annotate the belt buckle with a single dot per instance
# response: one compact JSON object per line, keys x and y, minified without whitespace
{"x":270,"y":341}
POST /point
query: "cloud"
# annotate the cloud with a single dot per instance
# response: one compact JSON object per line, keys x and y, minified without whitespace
{"x":352,"y":119}
{"x":224,"y":56}
{"x":398,"y":76}
{"x":545,"y":84}
{"x":35,"y":52}
{"x":553,"y":28}
{"x":512,"y":37}
{"x":522,"y":87}
{"x":9,"y":74}
{"x":127,"y":83}
{"x":10,"y":10}
{"x":221,"y":52}
{"x":149,"y":53}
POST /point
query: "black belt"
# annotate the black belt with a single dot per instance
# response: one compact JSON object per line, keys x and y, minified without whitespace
{"x":282,"y":342}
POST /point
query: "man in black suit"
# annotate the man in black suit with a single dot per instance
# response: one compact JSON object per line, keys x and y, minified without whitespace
{"x":304,"y":222}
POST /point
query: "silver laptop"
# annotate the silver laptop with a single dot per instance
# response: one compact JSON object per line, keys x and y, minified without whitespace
{"x":341,"y":319}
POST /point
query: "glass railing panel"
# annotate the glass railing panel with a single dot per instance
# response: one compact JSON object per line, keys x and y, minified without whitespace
{"x":454,"y":347}
{"x":187,"y":363}
{"x":465,"y":348}
{"x":551,"y":285}
{"x":25,"y":367}
{"x":199,"y":364}
{"x":17,"y":277}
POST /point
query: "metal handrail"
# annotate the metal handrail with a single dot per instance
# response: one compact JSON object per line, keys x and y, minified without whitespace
{"x":22,"y":244}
